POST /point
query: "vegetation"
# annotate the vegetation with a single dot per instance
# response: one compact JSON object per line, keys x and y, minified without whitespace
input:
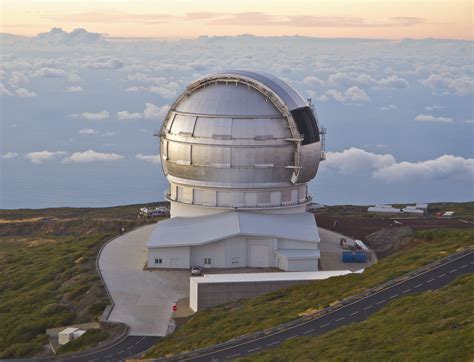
{"x":461,"y":209}
{"x":222,"y":323}
{"x":430,"y":326}
{"x":47,"y":271}
{"x":89,"y":339}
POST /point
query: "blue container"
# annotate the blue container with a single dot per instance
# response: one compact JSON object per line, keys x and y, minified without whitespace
{"x":360,"y":258}
{"x":347,"y":257}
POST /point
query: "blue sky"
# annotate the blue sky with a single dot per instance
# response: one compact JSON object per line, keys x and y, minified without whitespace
{"x":78,"y":112}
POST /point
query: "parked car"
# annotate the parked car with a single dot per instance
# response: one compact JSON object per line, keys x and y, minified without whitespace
{"x":196,"y":270}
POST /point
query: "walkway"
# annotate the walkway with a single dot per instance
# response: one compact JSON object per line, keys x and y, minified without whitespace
{"x":143,"y":299}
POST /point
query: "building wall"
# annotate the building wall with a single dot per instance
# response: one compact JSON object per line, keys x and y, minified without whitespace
{"x":302,"y":264}
{"x":296,"y":244}
{"x":204,"y":295}
{"x":176,"y":257}
{"x":185,"y":210}
{"x":234,"y":252}
{"x":215,"y":251}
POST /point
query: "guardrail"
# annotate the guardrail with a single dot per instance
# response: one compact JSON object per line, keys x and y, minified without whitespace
{"x":326,"y":310}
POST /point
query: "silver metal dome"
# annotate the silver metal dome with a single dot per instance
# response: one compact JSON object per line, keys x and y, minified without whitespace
{"x":240,"y":139}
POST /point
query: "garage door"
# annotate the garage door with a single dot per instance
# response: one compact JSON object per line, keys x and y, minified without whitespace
{"x":259,"y":256}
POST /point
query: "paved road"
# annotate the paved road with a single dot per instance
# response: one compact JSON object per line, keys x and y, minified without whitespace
{"x":143,"y":299}
{"x":131,"y":346}
{"x":355,"y":312}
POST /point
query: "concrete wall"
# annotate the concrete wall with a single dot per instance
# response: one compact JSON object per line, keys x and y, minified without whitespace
{"x":176,"y":257}
{"x":330,"y":236}
{"x":302,"y":264}
{"x":208,"y":295}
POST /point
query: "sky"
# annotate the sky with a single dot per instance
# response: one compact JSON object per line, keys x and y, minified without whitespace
{"x":85,"y":84}
{"x":79,"y":109}
{"x":173,"y":19}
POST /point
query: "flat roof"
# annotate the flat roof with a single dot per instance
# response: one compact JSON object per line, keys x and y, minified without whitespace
{"x":189,"y":231}
{"x":264,"y":277}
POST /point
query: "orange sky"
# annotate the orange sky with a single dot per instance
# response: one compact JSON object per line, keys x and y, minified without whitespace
{"x":191,"y":18}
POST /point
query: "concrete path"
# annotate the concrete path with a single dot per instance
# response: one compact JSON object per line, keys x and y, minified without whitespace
{"x":143,"y":299}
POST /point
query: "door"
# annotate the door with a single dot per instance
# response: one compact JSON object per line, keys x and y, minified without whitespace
{"x":259,"y":256}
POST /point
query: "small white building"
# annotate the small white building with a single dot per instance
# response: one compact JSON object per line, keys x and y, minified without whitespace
{"x":236,"y":239}
{"x":69,"y":334}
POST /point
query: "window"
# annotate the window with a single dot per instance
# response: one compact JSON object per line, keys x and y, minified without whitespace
{"x":158,"y":261}
{"x":207,"y":261}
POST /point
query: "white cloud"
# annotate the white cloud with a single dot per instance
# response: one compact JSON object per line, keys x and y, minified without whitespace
{"x":91,"y":156}
{"x":42,"y":156}
{"x":9,"y":155}
{"x":393,"y":81}
{"x":352,"y":94}
{"x":104,"y":63}
{"x":386,"y":168}
{"x":430,"y":118}
{"x":355,"y":94}
{"x":446,"y":166}
{"x":313,"y":81}
{"x":355,"y":159}
{"x":20,"y":92}
{"x":461,"y":86}
{"x":155,"y":159}
{"x":47,"y":72}
{"x":470,"y":121}
{"x":388,"y":108}
{"x":91,"y":116}
{"x":57,"y":36}
{"x":337,"y":95}
{"x":109,"y":133}
{"x":127,"y":115}
{"x":341,"y":79}
{"x":4,"y":91}
{"x":18,"y":78}
{"x":153,"y":112}
{"x":74,"y":89}
{"x":25,"y":93}
{"x":88,"y":131}
{"x":166,"y":91}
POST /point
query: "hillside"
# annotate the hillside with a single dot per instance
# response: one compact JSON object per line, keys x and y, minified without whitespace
{"x":225,"y":322}
{"x":48,"y":277}
{"x":431,"y":326}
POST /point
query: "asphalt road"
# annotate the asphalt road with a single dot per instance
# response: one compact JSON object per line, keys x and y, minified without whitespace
{"x":130,"y":346}
{"x":355,"y":312}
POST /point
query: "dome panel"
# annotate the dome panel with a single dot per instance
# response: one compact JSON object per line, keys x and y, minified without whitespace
{"x":241,"y":136}
{"x":231,"y":99}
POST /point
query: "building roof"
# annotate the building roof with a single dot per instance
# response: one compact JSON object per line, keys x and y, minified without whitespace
{"x":264,"y":277}
{"x":187,"y":231}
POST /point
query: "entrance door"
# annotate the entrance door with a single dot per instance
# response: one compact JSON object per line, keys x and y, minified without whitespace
{"x":259,"y":256}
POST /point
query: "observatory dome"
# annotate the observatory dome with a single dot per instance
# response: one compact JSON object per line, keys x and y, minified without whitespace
{"x":240,"y":139}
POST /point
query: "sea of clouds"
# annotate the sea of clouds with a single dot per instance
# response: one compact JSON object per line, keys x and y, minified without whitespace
{"x":78,"y":112}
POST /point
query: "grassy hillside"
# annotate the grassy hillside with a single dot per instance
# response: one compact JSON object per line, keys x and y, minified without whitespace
{"x":225,"y":322}
{"x":47,"y":271}
{"x":430,"y":326}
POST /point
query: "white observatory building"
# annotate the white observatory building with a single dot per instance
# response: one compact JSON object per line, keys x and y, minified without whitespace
{"x":238,"y":149}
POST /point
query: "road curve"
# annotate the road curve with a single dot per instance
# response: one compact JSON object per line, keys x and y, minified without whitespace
{"x":129,"y":347}
{"x":354,"y":312}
